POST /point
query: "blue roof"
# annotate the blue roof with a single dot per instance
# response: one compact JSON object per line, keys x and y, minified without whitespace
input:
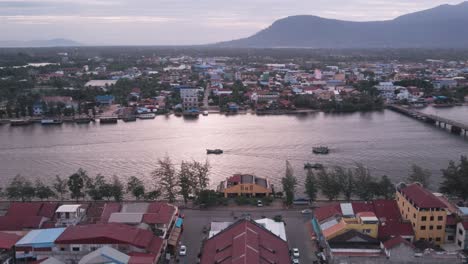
{"x":104,"y":97}
{"x":41,"y":238}
{"x":179,"y":222}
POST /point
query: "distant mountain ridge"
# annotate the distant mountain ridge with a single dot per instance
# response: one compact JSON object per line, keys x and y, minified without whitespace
{"x":445,"y":26}
{"x":59,"y":42}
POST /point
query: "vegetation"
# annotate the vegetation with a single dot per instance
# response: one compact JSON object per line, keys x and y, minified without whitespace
{"x":289,"y":183}
{"x":311,"y":185}
{"x":420,"y":175}
{"x":136,"y":187}
{"x":76,"y":183}
{"x":20,"y":188}
{"x":455,"y":179}
{"x":166,"y":176}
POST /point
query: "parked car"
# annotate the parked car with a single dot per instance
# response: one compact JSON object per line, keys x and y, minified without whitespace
{"x":295,"y":252}
{"x":183,"y":250}
{"x":306,"y":211}
{"x":295,"y":261}
{"x":259,"y":203}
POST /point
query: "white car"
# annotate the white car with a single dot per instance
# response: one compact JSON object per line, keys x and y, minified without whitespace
{"x":306,"y":211}
{"x":259,"y":203}
{"x":183,"y":250}
{"x":295,"y":252}
{"x":295,"y":261}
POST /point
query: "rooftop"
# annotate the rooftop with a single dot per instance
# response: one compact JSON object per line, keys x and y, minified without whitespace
{"x":40,"y":238}
{"x":421,"y":197}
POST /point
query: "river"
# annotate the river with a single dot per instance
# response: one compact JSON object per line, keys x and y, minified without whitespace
{"x":387,"y":142}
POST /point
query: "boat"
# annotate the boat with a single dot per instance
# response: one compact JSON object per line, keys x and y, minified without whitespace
{"x":214,"y":151}
{"x":130,"y":118}
{"x":442,"y":105}
{"x":316,"y":166}
{"x":20,"y":122}
{"x":205,"y":113}
{"x":320,"y":150}
{"x":83,"y":120}
{"x":191,"y":113}
{"x":147,"y":116}
{"x":51,"y":121}
{"x":108,"y":120}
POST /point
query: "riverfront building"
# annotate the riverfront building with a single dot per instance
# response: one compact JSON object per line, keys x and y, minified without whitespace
{"x":245,"y":185}
{"x":427,"y":214}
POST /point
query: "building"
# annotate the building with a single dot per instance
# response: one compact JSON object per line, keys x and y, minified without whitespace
{"x":398,"y":248}
{"x":245,"y":242}
{"x":245,"y":185}
{"x":28,"y":216}
{"x":189,"y":97}
{"x":69,"y":214}
{"x":276,"y":228}
{"x":105,"y":99}
{"x":424,"y":210}
{"x":38,"y":244}
{"x":462,"y":236}
{"x":101,"y":84}
{"x":7,"y":243}
{"x":76,"y":242}
{"x":444,"y":83}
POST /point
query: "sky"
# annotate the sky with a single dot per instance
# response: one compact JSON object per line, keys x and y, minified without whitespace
{"x":178,"y":22}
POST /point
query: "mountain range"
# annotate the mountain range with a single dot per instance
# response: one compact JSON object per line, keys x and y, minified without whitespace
{"x":445,"y":26}
{"x":39,"y":43}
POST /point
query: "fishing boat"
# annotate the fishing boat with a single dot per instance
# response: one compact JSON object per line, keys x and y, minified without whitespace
{"x":147,"y":116}
{"x":51,"y":121}
{"x":321,"y":150}
{"x":214,"y":151}
{"x":108,"y":120}
{"x":20,"y":122}
{"x":316,"y":166}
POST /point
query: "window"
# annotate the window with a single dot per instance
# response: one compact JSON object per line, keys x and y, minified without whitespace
{"x":459,"y":243}
{"x":440,"y":218}
{"x":423,"y":227}
{"x":439,"y":227}
{"x":414,"y":215}
{"x":423,"y":218}
{"x":366,"y":231}
{"x":62,"y":249}
{"x":408,"y":209}
{"x":67,"y":215}
{"x":76,"y":248}
{"x":431,"y":218}
{"x":431,"y":227}
{"x":460,"y":231}
{"x":438,"y":239}
{"x":430,"y":239}
{"x":450,"y":238}
{"x":414,"y":224}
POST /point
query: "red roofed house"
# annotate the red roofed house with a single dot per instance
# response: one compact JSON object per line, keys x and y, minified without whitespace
{"x":77,"y":241}
{"x":427,"y":214}
{"x":398,"y":248}
{"x":245,"y":242}
{"x":7,"y":242}
{"x":26,"y":216}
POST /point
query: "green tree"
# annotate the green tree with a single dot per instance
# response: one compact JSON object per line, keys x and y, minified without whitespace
{"x":208,"y":198}
{"x":455,"y":179}
{"x":116,"y":189}
{"x":200,"y":175}
{"x":311,"y":185}
{"x":97,"y":187}
{"x":386,"y":188}
{"x":165,"y":175}
{"x":346,"y":181}
{"x":136,"y":187}
{"x":420,"y":175}
{"x":329,"y":184}
{"x":20,"y":188}
{"x":289,"y":183}
{"x":185,"y":180}
{"x":367,"y":187}
{"x":43,"y":191}
{"x":153,"y":195}
{"x":60,"y":186}
{"x":76,"y":183}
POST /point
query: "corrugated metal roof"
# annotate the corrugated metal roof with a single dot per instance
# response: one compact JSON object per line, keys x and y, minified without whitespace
{"x":41,"y":238}
{"x":347,"y":209}
{"x":68,"y":208}
{"x":127,"y":218}
{"x":105,"y":254}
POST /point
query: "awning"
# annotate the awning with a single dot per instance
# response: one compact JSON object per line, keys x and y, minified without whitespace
{"x":179,"y":222}
{"x":174,"y":238}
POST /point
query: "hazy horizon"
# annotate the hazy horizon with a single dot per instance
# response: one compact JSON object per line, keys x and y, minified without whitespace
{"x":177,"y":22}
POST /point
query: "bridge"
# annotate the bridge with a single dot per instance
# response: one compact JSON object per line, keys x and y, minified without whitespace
{"x":455,"y":127}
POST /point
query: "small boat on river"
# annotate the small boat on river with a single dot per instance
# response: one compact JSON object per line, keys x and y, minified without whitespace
{"x":214,"y":151}
{"x":315,"y":166}
{"x":321,"y":150}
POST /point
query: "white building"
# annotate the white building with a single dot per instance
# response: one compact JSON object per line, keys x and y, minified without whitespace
{"x":189,"y":96}
{"x":69,"y":215}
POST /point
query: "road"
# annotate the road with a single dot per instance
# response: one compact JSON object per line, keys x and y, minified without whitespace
{"x":297,"y":232}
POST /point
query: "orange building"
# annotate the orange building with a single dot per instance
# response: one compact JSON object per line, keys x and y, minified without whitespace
{"x":246,"y":185}
{"x":427,"y":214}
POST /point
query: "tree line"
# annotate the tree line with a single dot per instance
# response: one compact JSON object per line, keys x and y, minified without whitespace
{"x":338,"y":181}
{"x":191,"y":180}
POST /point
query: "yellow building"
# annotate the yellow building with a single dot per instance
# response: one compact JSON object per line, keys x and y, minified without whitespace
{"x":427,"y":214}
{"x":246,"y":185}
{"x":365,"y":223}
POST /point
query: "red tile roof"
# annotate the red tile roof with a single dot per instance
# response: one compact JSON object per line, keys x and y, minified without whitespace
{"x":11,"y":223}
{"x":141,"y":258}
{"x":7,"y":241}
{"x":421,"y":197}
{"x":27,"y":215}
{"x":111,"y":234}
{"x":159,"y":213}
{"x":389,"y":244}
{"x":465,"y":225}
{"x":245,"y":242}
{"x":326,"y":212}
{"x":391,"y":223}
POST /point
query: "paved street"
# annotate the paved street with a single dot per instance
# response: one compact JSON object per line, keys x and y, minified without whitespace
{"x":297,"y":231}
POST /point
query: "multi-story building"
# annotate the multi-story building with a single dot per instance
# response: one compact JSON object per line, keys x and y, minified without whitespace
{"x":245,"y":184}
{"x":189,"y":96}
{"x":424,"y":210}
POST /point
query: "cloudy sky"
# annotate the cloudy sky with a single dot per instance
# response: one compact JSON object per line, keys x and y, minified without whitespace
{"x":177,"y":22}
